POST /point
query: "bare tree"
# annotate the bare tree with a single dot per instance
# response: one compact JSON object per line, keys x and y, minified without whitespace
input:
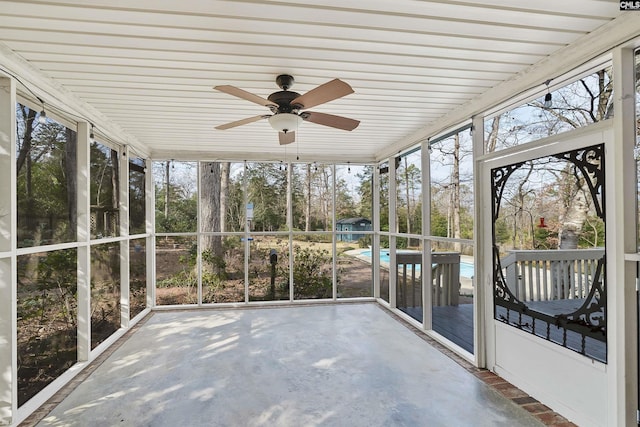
{"x":455,"y":192}
{"x":307,"y":208}
{"x":586,"y":101}
{"x":210,"y":191}
{"x":71,"y":176}
{"x":167,"y":168}
{"x":225,"y":171}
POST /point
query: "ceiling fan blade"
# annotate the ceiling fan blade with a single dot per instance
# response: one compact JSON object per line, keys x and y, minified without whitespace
{"x":330,"y":120}
{"x":242,"y":122}
{"x":232,"y":90}
{"x":286,"y":138}
{"x":324,"y":93}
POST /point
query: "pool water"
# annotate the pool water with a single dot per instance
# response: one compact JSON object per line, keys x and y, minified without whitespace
{"x":466,"y":268}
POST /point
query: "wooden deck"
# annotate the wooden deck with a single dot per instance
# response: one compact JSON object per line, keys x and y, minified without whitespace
{"x":454,"y":322}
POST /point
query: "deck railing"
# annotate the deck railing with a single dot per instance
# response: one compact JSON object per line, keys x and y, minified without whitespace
{"x":445,"y":273}
{"x":533,"y":275}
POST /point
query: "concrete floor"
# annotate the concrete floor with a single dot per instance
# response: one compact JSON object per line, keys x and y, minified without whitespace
{"x":324,"y":365}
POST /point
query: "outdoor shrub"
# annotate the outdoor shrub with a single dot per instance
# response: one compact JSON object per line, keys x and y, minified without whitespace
{"x":216,"y":263}
{"x":312,"y":276}
{"x":183,"y":278}
{"x":364,"y":242}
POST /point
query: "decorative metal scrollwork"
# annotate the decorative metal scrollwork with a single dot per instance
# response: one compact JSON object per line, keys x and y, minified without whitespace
{"x":589,"y":320}
{"x":590,"y":161}
{"x":499,"y":178}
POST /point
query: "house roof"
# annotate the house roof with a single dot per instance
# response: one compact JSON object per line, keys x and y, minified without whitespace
{"x":353,"y":220}
{"x":143,"y":71}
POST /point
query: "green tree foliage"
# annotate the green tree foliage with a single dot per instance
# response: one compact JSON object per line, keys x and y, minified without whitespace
{"x":178,"y":183}
{"x":409,"y":194}
{"x":384,"y":197}
{"x":439,"y":223}
{"x":267,"y":190}
{"x":182,"y":217}
{"x":365,"y":190}
{"x":346,"y":204}
{"x":104,"y":190}
{"x":44,"y":212}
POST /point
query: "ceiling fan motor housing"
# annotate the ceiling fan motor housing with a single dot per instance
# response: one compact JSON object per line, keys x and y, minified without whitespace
{"x":283,"y":98}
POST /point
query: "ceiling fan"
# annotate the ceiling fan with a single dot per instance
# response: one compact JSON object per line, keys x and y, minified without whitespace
{"x":287,"y":107}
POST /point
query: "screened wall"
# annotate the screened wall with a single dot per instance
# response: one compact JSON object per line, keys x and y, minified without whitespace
{"x":232,"y":232}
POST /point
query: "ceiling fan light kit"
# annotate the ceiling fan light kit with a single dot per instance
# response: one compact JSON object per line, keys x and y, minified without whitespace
{"x":287,"y":107}
{"x":285,"y":122}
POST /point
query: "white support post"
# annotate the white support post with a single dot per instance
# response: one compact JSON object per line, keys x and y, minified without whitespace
{"x":334,"y":240}
{"x":8,"y":258}
{"x":150,"y":229}
{"x":290,"y":225}
{"x":622,"y":323}
{"x":199,"y":169}
{"x":84,"y":237}
{"x":427,"y":280}
{"x":375,"y":241}
{"x":393,"y":228}
{"x":247,"y":230}
{"x":481,"y":290}
{"x":125,"y":296}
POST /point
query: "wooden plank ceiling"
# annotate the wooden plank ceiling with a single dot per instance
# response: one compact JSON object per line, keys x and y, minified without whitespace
{"x":150,"y":65}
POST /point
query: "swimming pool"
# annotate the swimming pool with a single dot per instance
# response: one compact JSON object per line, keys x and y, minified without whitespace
{"x":466,"y":268}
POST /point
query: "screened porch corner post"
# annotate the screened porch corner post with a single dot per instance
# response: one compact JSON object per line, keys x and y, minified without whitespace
{"x":480,"y":313}
{"x":623,"y":302}
{"x":150,"y":230}
{"x":427,"y":295}
{"x":375,"y":244}
{"x":125,"y":291}
{"x":393,"y":229}
{"x":8,"y":257}
{"x":84,"y":248}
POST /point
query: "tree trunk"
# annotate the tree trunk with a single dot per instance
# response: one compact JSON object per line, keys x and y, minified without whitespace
{"x":574,"y":218}
{"x":224,"y":193}
{"x":289,"y":189}
{"x":328,"y":198}
{"x":210,"y":179}
{"x":31,"y":220}
{"x":406,"y":188}
{"x":492,"y":140}
{"x":71,"y":176}
{"x":113,"y":226}
{"x":455,"y":176}
{"x":166,"y":189}
{"x":29,"y":117}
{"x":577,"y":210}
{"x":307,"y":208}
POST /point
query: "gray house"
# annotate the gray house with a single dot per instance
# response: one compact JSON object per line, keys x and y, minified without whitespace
{"x":352,"y":226}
